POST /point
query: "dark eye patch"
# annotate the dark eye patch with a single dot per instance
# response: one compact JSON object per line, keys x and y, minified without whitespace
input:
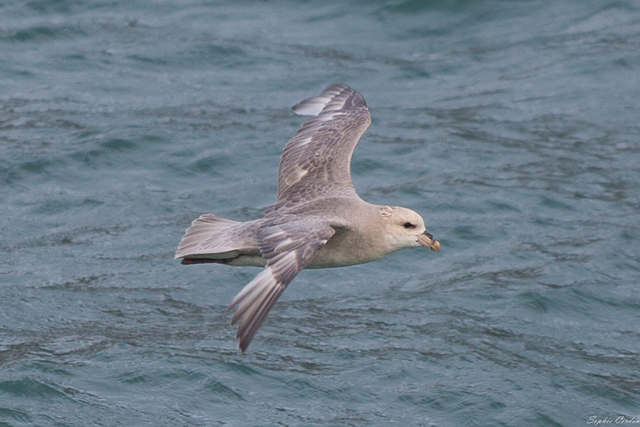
{"x":408,"y":225}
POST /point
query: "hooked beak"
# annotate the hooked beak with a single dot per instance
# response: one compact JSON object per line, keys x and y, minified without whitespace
{"x":426,"y":239}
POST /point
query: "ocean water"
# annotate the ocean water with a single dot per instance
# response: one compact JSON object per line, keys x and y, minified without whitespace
{"x":512,"y":126}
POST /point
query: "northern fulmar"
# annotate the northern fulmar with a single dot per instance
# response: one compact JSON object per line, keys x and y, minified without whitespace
{"x":318,"y":219}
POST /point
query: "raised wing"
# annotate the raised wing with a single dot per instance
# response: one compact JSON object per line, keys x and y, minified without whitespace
{"x":288,"y":246}
{"x":317,"y":160}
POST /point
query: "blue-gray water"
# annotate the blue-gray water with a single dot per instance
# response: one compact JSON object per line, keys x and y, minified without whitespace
{"x":512,"y":126}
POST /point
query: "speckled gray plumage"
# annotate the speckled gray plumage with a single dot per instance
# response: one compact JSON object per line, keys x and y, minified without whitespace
{"x":318,"y":219}
{"x":317,"y":160}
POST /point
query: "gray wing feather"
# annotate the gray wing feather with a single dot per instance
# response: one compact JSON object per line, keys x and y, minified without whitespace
{"x":288,"y":244}
{"x":317,"y":160}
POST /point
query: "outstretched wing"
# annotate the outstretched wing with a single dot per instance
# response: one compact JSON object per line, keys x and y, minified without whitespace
{"x":317,"y":160}
{"x":288,"y":245}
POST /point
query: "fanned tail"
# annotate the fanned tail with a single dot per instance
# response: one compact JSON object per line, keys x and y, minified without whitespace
{"x":213,"y":239}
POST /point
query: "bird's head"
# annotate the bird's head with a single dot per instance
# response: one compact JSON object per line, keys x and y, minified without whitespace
{"x":406,"y":228}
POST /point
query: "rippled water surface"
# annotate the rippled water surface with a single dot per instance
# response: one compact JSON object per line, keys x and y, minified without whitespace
{"x":513,"y":127}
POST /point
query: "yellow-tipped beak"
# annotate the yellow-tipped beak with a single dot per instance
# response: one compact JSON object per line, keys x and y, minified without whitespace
{"x":426,"y":239}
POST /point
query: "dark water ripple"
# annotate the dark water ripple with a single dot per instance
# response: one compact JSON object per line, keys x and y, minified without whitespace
{"x":513,"y":128}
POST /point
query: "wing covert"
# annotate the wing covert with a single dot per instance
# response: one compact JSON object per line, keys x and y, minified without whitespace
{"x":288,"y":247}
{"x":317,"y":160}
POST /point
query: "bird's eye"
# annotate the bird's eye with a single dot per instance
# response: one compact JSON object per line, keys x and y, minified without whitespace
{"x":408,"y":225}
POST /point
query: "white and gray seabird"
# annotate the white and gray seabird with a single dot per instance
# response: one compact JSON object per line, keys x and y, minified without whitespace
{"x":318,"y":219}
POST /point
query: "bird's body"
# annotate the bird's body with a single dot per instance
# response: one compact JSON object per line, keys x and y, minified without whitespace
{"x":318,"y":219}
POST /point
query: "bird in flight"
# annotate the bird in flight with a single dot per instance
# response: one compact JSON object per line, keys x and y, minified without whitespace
{"x":318,"y":219}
